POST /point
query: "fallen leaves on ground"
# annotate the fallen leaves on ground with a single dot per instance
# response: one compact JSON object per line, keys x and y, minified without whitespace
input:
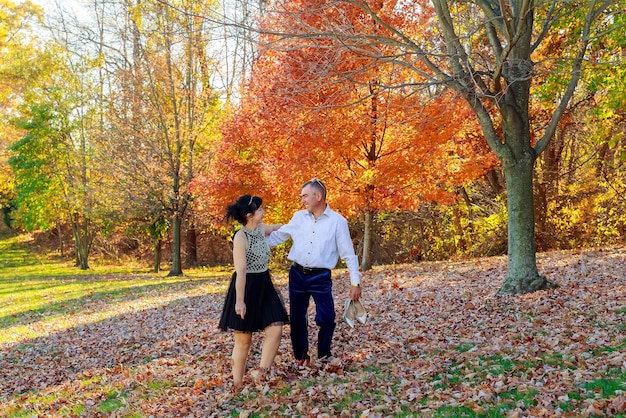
{"x":438,"y":342}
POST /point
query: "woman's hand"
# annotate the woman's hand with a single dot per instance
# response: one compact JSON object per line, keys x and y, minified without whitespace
{"x":240,"y":309}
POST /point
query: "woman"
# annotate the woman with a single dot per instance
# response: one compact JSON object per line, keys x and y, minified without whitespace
{"x":252,"y":303}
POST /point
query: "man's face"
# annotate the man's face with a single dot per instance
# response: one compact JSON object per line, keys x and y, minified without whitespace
{"x":310,"y":198}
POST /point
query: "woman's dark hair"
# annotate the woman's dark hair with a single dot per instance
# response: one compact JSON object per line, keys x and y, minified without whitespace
{"x":242,"y":207}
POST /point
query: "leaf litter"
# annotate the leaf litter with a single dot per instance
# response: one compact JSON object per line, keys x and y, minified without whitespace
{"x":438,"y":342}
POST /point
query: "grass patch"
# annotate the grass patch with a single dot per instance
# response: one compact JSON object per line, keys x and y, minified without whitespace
{"x":285,"y":390}
{"x":526,"y":398}
{"x":38,"y":293}
{"x":463,"y":348}
{"x":610,"y":349}
{"x":112,"y":403}
{"x":455,"y":412}
{"x":159,"y":385}
{"x":19,"y":413}
{"x":304,"y":384}
{"x":91,"y":381}
{"x":372,"y":369}
{"x":345,"y":403}
{"x":558,"y":360}
{"x":606,"y":387}
{"x":501,"y":364}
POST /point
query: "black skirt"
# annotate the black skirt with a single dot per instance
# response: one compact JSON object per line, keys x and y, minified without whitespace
{"x":264,"y":306}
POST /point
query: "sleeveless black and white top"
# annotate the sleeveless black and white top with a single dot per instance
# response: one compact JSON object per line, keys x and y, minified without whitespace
{"x":257,"y":252}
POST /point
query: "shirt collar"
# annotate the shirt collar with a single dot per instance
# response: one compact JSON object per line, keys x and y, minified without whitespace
{"x":325,"y":213}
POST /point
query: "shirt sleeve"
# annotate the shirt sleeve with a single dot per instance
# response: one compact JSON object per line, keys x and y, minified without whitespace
{"x":346,"y":251}
{"x":281,"y":235}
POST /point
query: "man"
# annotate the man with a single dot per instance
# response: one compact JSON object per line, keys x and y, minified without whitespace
{"x":320,"y":236}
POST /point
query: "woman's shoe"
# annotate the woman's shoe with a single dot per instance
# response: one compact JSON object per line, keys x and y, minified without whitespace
{"x":359,"y":311}
{"x":349,"y":313}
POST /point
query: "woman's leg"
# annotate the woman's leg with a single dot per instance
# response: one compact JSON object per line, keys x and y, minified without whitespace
{"x":273,"y":334}
{"x":240,"y":356}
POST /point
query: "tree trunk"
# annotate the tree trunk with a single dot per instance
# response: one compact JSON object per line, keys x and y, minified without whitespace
{"x":191,"y":239}
{"x":157,"y":255}
{"x":543,"y":235}
{"x":522,"y":274}
{"x":493,"y":179}
{"x":81,"y":241}
{"x":424,"y":248}
{"x":460,"y":235}
{"x":177,"y":269}
{"x":59,"y":232}
{"x":366,"y":260}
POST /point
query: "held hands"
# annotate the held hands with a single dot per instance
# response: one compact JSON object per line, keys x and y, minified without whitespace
{"x":240,"y":309}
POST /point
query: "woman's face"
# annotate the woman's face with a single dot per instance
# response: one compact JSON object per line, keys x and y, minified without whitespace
{"x":257,"y":216}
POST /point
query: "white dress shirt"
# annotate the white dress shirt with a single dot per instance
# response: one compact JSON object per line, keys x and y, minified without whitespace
{"x":319,"y":242}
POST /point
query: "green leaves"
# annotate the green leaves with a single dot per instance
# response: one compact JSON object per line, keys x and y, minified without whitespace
{"x":35,"y":165}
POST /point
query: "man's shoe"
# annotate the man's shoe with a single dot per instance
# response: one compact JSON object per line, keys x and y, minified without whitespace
{"x":329,"y":360}
{"x":304,"y":362}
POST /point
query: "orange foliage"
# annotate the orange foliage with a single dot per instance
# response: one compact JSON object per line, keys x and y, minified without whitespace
{"x":310,"y":110}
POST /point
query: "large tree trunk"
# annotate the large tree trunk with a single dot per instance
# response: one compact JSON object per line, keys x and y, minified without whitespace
{"x":177,"y":269}
{"x":366,"y":260}
{"x":522,"y":276}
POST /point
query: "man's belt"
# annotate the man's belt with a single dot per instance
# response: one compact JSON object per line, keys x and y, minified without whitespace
{"x":310,"y":270}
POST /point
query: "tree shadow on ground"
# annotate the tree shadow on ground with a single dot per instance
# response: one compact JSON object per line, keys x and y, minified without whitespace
{"x":97,"y":298}
{"x":173,"y":330}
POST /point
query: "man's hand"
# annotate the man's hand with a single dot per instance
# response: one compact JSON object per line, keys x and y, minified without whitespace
{"x":355,"y":292}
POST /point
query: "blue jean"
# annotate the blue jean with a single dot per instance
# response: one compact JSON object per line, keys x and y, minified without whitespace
{"x":301,"y":288}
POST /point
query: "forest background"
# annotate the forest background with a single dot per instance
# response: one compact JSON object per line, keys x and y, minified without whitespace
{"x":444,"y":131}
{"x":128,"y":126}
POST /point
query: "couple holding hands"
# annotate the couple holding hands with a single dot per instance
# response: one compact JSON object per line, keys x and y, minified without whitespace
{"x":320,"y":237}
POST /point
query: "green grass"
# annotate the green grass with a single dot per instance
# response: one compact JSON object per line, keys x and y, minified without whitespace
{"x":159,"y":385}
{"x":610,"y":348}
{"x":607,"y":387}
{"x":21,"y":413}
{"x":36,"y":288}
{"x":455,"y":412}
{"x":465,"y":347}
{"x":50,"y":299}
{"x":112,"y":403}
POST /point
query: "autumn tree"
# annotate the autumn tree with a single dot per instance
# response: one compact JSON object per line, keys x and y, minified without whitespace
{"x":359,"y":139}
{"x":579,"y":179}
{"x":162,"y":109}
{"x":20,"y":50}
{"x":53,"y":162}
{"x":482,"y":50}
